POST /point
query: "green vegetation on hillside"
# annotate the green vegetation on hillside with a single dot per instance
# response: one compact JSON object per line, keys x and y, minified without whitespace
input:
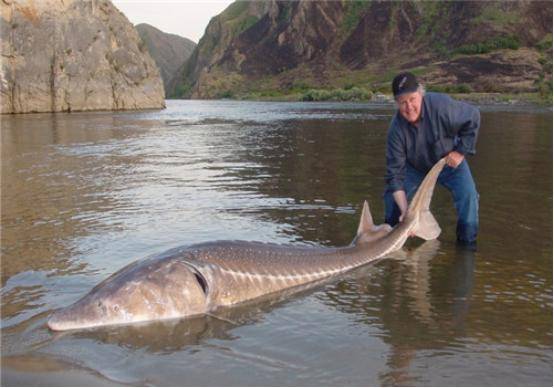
{"x":234,"y":10}
{"x":350,"y":94}
{"x":451,"y":89}
{"x":432,"y":29}
{"x":237,"y":17}
{"x":491,"y":13}
{"x":545,"y":43}
{"x":430,"y":26}
{"x":544,"y":82}
{"x":353,"y":13}
{"x":496,"y":43}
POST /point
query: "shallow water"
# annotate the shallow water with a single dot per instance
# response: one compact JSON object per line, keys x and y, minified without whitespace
{"x":85,"y":194}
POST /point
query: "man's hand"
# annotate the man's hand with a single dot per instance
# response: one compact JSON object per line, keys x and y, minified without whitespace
{"x":401,"y":217}
{"x":454,"y":158}
{"x":402,"y":202}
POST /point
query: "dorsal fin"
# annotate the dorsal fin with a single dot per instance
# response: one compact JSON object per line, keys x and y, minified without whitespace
{"x":366,"y":221}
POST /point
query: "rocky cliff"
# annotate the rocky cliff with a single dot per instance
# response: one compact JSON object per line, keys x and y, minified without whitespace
{"x":73,"y":55}
{"x":170,"y":52}
{"x":284,"y":46}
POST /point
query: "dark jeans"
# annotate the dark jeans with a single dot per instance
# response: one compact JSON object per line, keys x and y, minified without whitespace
{"x":459,"y":182}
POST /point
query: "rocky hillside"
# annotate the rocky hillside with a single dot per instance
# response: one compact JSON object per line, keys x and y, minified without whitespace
{"x":170,"y":53}
{"x":276,"y":47}
{"x":73,"y":55}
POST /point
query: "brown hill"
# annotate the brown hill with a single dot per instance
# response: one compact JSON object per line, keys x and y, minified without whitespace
{"x":272,"y":47}
{"x":170,"y":52}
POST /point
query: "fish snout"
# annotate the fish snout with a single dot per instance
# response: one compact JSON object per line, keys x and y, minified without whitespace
{"x":81,"y":314}
{"x":59,"y":320}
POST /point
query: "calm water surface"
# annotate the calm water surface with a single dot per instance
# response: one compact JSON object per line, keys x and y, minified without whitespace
{"x":85,"y":194}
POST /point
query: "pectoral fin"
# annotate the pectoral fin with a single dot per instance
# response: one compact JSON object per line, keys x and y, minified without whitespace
{"x":427,"y":227}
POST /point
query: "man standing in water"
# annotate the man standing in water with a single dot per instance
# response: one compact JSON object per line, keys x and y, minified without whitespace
{"x":427,"y":127}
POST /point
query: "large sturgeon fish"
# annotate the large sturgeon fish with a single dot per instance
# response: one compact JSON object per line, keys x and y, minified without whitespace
{"x":198,"y":279}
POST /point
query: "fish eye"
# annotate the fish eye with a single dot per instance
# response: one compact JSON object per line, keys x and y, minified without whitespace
{"x":116,"y":308}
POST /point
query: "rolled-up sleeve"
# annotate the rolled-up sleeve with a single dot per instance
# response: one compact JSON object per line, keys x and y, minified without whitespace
{"x":396,"y":159}
{"x":464,"y":120}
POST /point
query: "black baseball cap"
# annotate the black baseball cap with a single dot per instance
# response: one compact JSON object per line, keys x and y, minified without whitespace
{"x":404,"y":83}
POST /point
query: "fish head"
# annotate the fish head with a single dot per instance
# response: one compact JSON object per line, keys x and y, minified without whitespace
{"x":137,"y":293}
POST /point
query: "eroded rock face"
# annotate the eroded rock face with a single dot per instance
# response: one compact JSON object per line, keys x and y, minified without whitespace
{"x":262,"y":38}
{"x":502,"y":71}
{"x":283,"y":45}
{"x":312,"y":28}
{"x":65,"y":55}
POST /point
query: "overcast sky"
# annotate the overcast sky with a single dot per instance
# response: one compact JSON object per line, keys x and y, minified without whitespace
{"x":188,"y":18}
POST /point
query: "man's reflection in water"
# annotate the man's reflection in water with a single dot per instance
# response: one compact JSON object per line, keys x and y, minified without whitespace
{"x":464,"y":266}
{"x":430,"y":308}
{"x":421,"y":297}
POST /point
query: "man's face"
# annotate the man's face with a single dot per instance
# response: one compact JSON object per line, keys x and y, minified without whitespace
{"x":409,"y":105}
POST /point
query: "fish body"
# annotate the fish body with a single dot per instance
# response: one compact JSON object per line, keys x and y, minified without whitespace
{"x":197,"y":279}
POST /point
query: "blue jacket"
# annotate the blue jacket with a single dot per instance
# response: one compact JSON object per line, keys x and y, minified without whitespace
{"x":445,"y":125}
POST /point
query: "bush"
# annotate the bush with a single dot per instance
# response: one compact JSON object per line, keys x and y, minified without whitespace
{"x":545,"y":43}
{"x":225,"y":94}
{"x":348,"y":86}
{"x":352,"y":94}
{"x":544,"y":86}
{"x":181,"y":91}
{"x":316,"y":95}
{"x":500,"y":42}
{"x":300,"y":86}
{"x":462,"y":88}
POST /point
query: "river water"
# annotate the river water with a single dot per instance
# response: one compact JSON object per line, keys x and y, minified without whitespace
{"x":84,"y":194}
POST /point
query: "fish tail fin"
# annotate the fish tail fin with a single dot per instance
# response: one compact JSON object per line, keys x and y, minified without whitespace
{"x":427,"y":228}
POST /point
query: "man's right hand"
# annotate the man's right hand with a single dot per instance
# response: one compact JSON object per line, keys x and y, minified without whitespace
{"x":402,"y":202}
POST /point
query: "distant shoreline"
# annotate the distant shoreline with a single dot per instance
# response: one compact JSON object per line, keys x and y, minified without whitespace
{"x":490,"y":100}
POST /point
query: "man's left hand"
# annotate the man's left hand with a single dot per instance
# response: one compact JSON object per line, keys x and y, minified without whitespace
{"x":454,"y":158}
